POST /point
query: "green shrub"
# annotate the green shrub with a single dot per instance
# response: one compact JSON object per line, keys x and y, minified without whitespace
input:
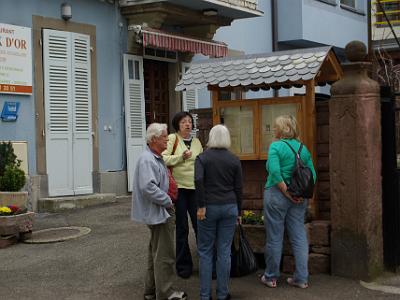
{"x":7,"y":156}
{"x":12,"y":178}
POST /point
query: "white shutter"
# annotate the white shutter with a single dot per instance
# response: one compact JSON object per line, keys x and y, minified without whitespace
{"x":58,"y":108}
{"x":135,"y":121}
{"x":189,"y":97}
{"x":82,"y":108}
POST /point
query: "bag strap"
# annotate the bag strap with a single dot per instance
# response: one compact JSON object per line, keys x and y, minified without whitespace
{"x":175,"y":144}
{"x":297,"y":154}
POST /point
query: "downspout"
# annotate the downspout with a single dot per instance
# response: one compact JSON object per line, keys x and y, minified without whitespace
{"x":274,"y":25}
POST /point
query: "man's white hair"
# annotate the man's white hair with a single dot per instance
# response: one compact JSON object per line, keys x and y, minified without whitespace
{"x":219,"y":137}
{"x":154,"y":131}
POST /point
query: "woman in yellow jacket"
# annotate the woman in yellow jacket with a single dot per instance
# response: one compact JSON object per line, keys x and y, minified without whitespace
{"x":182,"y":161}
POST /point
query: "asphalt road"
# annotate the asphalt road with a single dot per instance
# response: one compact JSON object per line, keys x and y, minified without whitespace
{"x":109,"y":263}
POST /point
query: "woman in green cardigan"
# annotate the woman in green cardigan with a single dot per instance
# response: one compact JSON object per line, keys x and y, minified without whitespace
{"x":281,"y":209}
{"x":182,"y":161}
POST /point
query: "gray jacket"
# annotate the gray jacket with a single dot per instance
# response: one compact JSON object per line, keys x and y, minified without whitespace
{"x":150,"y":187}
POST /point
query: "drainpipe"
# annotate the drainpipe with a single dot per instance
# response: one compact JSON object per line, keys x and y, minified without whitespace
{"x":274,"y":25}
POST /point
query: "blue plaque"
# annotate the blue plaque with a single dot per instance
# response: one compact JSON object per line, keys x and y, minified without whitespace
{"x":10,"y":111}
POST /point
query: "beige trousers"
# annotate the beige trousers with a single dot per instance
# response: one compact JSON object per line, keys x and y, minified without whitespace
{"x":160,"y":273}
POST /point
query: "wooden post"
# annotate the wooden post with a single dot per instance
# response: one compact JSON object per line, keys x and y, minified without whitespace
{"x":310,"y":134}
{"x":214,"y":100}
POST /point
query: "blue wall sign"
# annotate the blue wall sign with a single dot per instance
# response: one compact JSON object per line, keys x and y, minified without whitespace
{"x":10,"y":111}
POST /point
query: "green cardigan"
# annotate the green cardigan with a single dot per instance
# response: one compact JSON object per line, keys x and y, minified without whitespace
{"x":281,"y":161}
{"x":183,"y":170}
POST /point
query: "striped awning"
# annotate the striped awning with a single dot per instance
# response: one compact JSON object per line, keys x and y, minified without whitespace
{"x":169,"y":41}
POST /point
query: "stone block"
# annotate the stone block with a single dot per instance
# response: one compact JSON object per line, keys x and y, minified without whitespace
{"x":288,"y":264}
{"x":320,"y":233}
{"x":321,"y":250}
{"x":318,"y":263}
{"x":255,"y":235}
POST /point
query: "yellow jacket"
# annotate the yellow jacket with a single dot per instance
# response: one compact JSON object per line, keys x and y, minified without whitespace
{"x":183,"y":170}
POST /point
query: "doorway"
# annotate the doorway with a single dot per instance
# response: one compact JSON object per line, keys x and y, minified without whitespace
{"x":156,"y":92}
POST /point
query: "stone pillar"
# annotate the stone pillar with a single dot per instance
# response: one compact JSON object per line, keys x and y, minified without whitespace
{"x":355,"y":170}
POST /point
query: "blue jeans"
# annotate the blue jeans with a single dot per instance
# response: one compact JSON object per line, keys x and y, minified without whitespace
{"x":217,"y":228}
{"x":279,"y":212}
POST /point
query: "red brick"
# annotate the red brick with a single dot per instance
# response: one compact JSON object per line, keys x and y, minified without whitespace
{"x":255,"y":235}
{"x":324,"y":189}
{"x":252,"y":190}
{"x":323,"y":163}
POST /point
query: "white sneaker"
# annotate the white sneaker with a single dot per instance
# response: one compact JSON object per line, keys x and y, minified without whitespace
{"x":178,"y":296}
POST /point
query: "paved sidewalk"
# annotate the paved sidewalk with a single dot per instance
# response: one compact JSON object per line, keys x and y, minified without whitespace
{"x":109,"y":263}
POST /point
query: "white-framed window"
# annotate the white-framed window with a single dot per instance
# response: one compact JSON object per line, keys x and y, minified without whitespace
{"x":160,"y":54}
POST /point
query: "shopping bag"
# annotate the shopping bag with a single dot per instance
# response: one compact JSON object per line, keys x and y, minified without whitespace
{"x":243,"y":260}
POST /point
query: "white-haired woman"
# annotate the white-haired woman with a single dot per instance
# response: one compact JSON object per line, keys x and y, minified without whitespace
{"x":281,"y":209}
{"x":218,"y":180}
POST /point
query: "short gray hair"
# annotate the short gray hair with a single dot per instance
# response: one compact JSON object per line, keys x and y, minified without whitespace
{"x":219,"y":137}
{"x":154,"y":131}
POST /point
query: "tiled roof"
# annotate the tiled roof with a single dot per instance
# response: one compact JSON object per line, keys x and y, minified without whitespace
{"x":255,"y":70}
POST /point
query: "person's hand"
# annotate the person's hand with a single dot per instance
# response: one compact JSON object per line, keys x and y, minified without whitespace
{"x":187,"y":154}
{"x":201,"y":213}
{"x":297,"y":200}
{"x":283,"y":187}
{"x":239,"y":220}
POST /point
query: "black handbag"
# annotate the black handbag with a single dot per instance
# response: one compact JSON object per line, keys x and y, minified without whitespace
{"x":243,"y":260}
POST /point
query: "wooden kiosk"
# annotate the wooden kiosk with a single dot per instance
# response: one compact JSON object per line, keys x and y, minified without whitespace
{"x":245,"y":99}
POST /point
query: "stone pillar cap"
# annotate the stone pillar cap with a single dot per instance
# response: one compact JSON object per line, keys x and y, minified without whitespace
{"x":356,"y":51}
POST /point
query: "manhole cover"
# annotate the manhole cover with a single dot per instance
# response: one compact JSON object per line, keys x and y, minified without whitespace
{"x":60,"y":234}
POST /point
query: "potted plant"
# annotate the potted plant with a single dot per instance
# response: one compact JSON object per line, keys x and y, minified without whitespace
{"x":253,"y":226}
{"x":12,"y":178}
{"x":15,"y":220}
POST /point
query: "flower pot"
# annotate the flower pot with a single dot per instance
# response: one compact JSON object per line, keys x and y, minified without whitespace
{"x":255,"y":235}
{"x":19,"y":199}
{"x":21,"y":222}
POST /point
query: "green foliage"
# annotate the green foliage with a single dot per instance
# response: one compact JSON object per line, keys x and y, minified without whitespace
{"x":252,"y":218}
{"x":12,"y":178}
{"x":7,"y":156}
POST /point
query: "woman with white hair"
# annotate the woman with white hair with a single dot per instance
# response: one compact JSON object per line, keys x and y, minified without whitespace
{"x":218,"y":181}
{"x":281,"y":209}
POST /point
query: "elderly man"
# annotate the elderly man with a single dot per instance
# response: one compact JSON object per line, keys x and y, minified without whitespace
{"x":152,"y":205}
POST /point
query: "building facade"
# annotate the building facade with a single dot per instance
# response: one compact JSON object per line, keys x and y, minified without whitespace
{"x":89,"y":76}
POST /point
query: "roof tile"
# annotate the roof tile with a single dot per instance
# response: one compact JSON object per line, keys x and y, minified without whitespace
{"x":283,"y":67}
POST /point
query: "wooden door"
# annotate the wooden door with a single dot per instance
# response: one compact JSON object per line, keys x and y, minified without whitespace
{"x":156,"y":91}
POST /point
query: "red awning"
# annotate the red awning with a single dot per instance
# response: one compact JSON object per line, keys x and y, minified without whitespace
{"x":174,"y":42}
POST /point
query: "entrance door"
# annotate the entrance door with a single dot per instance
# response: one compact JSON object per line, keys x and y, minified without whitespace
{"x":156,"y":91}
{"x":67,"y":98}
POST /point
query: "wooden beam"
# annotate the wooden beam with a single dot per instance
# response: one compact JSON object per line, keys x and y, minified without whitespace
{"x":214,"y":103}
{"x":310,"y":134}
